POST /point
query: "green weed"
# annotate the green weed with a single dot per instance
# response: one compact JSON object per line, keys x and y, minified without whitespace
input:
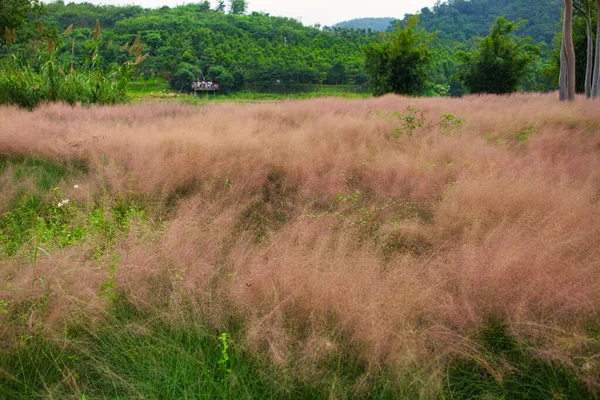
{"x":109,"y":288}
{"x":412,"y":119}
{"x":447,"y":122}
{"x":224,"y":362}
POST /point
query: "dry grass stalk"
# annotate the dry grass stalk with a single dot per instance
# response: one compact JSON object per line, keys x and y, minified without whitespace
{"x":68,"y":30}
{"x":134,"y":46}
{"x":51,"y":45}
{"x":140,"y":49}
{"x":7,"y":37}
{"x":140,"y":59}
{"x":97,"y":30}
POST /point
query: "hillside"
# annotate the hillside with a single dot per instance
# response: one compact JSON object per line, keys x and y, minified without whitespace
{"x":239,"y":51}
{"x":460,"y":20}
{"x":374,"y":24}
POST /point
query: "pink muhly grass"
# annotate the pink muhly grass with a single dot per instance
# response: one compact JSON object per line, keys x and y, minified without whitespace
{"x":310,"y":220}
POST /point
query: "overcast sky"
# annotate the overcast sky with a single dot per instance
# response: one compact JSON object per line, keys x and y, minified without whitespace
{"x":325,"y":12}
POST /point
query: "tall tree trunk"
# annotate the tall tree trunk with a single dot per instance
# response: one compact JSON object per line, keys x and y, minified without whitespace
{"x":569,"y":49}
{"x":590,"y":54}
{"x":562,"y":79}
{"x":585,"y":8}
{"x":596,"y":79}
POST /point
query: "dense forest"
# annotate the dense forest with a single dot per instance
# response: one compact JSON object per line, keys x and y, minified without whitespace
{"x":256,"y":51}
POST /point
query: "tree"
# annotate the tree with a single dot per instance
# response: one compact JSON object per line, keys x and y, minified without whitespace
{"x":398,"y":63}
{"x":204,"y":6}
{"x":500,"y":60}
{"x":184,"y":75}
{"x":585,"y":8}
{"x":567,"y":59}
{"x":13,"y":13}
{"x":237,"y":7}
{"x":221,"y":76}
{"x":596,"y":78}
{"x":220,"y":6}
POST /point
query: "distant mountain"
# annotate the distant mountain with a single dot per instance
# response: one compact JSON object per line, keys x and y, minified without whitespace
{"x":461,"y":20}
{"x":375,"y":24}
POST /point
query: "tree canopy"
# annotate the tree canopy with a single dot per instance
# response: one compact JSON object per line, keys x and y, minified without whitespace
{"x":398,"y":62}
{"x":499,"y":61}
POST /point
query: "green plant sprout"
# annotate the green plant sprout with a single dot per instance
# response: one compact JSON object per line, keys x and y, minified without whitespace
{"x":447,"y":121}
{"x":409,"y":122}
{"x":224,"y":363}
{"x":3,"y":307}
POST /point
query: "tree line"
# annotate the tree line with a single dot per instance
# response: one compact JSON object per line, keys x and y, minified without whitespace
{"x":256,"y":51}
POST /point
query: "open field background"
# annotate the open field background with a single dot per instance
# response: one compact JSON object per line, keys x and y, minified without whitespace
{"x":389,"y":247}
{"x":157,"y":89}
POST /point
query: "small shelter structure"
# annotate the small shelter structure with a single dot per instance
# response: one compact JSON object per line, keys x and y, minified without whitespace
{"x":204,"y":86}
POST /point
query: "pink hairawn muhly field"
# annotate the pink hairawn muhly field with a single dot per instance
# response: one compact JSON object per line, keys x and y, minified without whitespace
{"x":303,"y":218}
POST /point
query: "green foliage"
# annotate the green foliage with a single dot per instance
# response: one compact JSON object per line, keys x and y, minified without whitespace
{"x":109,"y":288}
{"x":499,"y":61}
{"x":237,"y":7}
{"x":224,"y":363}
{"x":412,"y":119}
{"x":47,"y":73}
{"x":447,"y":122}
{"x":13,"y":13}
{"x":184,"y":75}
{"x":399,"y":62}
{"x":462,"y":20}
{"x":257,"y":49}
{"x":60,"y":222}
{"x":374,"y":24}
{"x":222,"y":76}
{"x":3,"y":307}
{"x":132,"y":354}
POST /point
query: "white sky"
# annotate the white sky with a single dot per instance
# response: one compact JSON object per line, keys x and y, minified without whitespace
{"x":325,"y":12}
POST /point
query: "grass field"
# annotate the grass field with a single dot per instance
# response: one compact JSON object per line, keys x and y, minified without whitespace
{"x":319,"y":249}
{"x":158,"y":90}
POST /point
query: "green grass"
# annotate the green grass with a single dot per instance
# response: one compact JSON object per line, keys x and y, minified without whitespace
{"x":133,"y":355}
{"x":510,"y":370}
{"x":54,"y":221}
{"x":158,"y":89}
{"x":139,"y":86}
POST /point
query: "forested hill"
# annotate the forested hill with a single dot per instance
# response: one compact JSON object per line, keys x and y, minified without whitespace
{"x":374,"y":24}
{"x":237,"y":50}
{"x":460,"y":20}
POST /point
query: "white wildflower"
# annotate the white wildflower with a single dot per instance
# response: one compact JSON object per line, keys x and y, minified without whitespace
{"x":76,"y":187}
{"x":62,"y":203}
